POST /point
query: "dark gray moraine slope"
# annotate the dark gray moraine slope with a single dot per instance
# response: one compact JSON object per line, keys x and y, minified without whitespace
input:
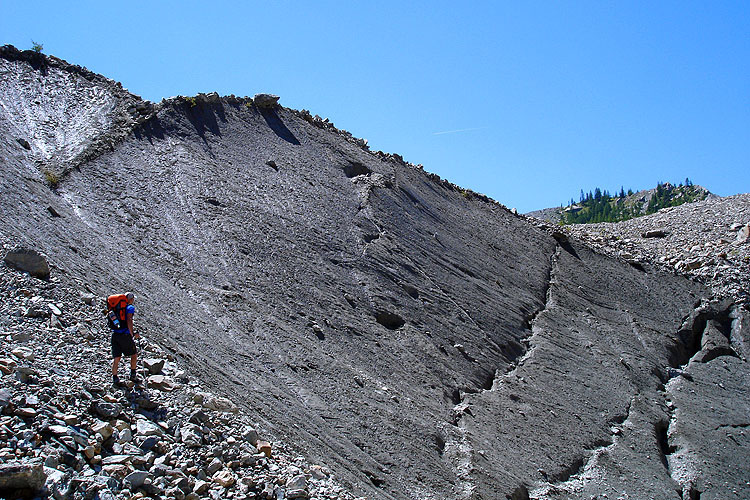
{"x":420,"y":340}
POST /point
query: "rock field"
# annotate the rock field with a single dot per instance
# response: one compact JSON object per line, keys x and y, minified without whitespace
{"x":706,"y":240}
{"x":67,"y":432}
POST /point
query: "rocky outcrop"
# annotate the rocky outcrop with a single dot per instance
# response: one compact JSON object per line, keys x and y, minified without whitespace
{"x":266,"y":100}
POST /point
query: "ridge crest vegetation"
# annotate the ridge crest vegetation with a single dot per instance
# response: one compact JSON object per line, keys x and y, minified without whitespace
{"x":602,"y":206}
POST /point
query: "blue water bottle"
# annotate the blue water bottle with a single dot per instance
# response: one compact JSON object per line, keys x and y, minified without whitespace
{"x":114,"y":319}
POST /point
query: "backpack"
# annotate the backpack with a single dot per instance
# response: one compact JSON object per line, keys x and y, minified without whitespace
{"x":117,"y":304}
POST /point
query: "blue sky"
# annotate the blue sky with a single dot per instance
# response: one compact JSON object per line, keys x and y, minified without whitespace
{"x":527,"y":102}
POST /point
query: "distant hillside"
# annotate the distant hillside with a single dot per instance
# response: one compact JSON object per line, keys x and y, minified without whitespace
{"x":602,"y":206}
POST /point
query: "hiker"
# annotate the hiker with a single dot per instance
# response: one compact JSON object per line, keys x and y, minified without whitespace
{"x":120,"y":311}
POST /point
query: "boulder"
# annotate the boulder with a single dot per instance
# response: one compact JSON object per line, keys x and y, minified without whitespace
{"x":59,"y":430}
{"x":317,"y":472}
{"x":35,"y":312}
{"x":7,"y":366}
{"x":5,"y":397}
{"x":266,"y":100}
{"x":28,"y":260}
{"x":201,"y":487}
{"x":297,"y":482}
{"x":23,"y":353}
{"x":149,"y":443}
{"x":655,"y":233}
{"x":160,"y":382}
{"x":693,"y":264}
{"x":153,"y":365}
{"x":743,"y":235}
{"x":224,"y":478}
{"x":54,"y":322}
{"x":264,"y":447}
{"x":107,"y":411}
{"x":214,"y":466}
{"x":25,"y":374}
{"x":191,"y":435}
{"x":136,"y":479}
{"x":198,"y":417}
{"x":145,"y":402}
{"x":20,"y":337}
{"x":21,"y":479}
{"x":250,"y":435}
{"x":103,"y":429}
{"x":26,"y":412}
{"x":57,"y":483}
{"x":116,"y":460}
{"x":218,"y":404}
{"x":125,"y":436}
{"x":714,"y":343}
{"x":147,"y":428}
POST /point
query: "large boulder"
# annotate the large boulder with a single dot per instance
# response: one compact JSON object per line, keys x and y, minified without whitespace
{"x":28,"y":260}
{"x":21,"y":479}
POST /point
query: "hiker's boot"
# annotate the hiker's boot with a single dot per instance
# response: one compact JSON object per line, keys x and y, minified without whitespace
{"x":133,"y":376}
{"x":115,"y":380}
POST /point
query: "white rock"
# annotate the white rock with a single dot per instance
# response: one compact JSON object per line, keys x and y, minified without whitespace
{"x":224,"y":478}
{"x":103,"y":429}
{"x":191,"y":435}
{"x":146,"y":428}
{"x":125,"y":436}
{"x":743,"y":234}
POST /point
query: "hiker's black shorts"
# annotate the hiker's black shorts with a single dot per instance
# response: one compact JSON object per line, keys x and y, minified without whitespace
{"x":122,"y":345}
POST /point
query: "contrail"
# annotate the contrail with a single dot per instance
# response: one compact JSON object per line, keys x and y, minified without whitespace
{"x":459,"y":130}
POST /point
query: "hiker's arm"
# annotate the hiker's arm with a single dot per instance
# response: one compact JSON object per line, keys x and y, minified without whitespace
{"x":130,"y":327}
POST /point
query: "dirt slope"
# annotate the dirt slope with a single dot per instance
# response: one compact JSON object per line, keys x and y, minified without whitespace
{"x":420,"y":340}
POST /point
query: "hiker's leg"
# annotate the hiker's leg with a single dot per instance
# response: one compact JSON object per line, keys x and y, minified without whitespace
{"x":115,"y":364}
{"x":134,"y":361}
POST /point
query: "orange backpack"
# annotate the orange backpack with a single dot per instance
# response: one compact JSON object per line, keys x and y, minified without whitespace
{"x":116,"y":310}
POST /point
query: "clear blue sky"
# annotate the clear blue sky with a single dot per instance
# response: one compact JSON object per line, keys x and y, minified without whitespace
{"x":527,"y":102}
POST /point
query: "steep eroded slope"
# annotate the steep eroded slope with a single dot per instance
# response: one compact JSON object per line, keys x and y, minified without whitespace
{"x":357,"y":306}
